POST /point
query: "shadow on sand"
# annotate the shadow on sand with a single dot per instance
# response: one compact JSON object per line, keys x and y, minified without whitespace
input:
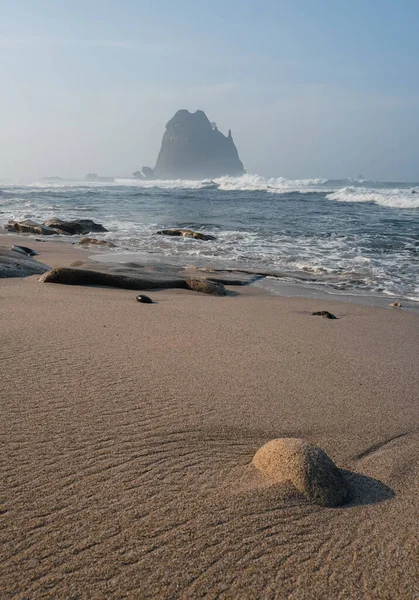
{"x":366,"y":490}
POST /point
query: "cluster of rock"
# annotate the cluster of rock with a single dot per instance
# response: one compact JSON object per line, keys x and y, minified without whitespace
{"x":56,"y":226}
{"x":193,"y":148}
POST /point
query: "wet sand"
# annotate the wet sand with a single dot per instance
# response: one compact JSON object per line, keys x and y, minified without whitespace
{"x":128,"y":431}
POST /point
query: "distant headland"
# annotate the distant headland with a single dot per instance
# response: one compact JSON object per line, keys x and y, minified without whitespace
{"x":193,"y":148}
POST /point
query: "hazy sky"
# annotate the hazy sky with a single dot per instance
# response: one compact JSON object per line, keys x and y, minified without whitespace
{"x":310,"y":88}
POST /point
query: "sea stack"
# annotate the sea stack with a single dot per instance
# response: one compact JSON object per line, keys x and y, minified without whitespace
{"x":194,"y":148}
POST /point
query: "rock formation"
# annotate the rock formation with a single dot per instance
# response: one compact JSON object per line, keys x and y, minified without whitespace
{"x":56,"y":226}
{"x":193,"y":148}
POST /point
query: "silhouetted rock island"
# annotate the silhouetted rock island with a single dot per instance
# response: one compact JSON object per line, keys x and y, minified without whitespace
{"x":193,"y":148}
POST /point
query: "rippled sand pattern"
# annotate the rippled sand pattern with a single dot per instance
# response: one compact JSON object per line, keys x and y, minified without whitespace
{"x":128,"y":431}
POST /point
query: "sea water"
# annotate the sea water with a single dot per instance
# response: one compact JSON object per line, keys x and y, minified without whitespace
{"x":350,"y":236}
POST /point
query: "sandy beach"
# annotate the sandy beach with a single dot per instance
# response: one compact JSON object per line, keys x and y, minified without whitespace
{"x":128,"y":431}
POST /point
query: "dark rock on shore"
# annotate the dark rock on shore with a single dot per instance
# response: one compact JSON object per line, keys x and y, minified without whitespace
{"x":324,"y":313}
{"x":15,"y":264}
{"x":129,"y":279}
{"x":76,"y":227}
{"x":76,"y":276}
{"x":56,"y":226}
{"x":24,"y":250}
{"x":186,"y":233}
{"x":193,"y":148}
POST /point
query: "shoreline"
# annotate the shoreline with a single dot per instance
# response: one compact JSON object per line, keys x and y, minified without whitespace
{"x":62,"y":252}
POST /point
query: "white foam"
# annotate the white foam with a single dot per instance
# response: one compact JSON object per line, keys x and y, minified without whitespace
{"x":394,"y":198}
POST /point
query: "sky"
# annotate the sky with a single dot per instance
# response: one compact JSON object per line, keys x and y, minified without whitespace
{"x":310,"y":88}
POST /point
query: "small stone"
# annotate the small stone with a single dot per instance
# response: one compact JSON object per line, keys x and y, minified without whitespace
{"x":144,"y":299}
{"x":324,"y":313}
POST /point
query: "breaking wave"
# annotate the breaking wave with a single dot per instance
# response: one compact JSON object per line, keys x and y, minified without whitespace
{"x":394,"y":198}
{"x":389,"y":195}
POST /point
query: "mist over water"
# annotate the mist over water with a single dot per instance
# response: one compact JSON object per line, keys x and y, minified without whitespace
{"x":352,"y":236}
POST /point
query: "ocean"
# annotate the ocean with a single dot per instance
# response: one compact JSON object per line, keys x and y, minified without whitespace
{"x":353,"y":238}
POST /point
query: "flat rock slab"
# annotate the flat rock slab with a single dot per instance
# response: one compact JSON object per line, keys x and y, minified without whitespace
{"x":15,"y":264}
{"x":77,"y":276}
{"x":170,"y":271}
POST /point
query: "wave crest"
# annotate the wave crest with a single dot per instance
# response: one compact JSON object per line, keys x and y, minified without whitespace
{"x":394,"y":198}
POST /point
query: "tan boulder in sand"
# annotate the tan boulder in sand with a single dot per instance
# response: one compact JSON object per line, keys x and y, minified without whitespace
{"x":206,"y":286}
{"x":87,"y":241}
{"x":306,"y":466}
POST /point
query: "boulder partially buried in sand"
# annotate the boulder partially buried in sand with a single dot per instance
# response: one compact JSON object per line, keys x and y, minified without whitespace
{"x":15,"y":264}
{"x":76,"y":276}
{"x":206,"y":286}
{"x":308,"y":468}
{"x":87,"y":241}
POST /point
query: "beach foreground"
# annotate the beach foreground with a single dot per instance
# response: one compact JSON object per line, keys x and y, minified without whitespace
{"x":128,"y":431}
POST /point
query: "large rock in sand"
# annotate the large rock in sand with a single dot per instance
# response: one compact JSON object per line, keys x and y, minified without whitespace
{"x":15,"y":264}
{"x":75,"y":276}
{"x":308,"y":468}
{"x":150,"y":281}
{"x":87,"y":241}
{"x":76,"y":227}
{"x":205,"y":286}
